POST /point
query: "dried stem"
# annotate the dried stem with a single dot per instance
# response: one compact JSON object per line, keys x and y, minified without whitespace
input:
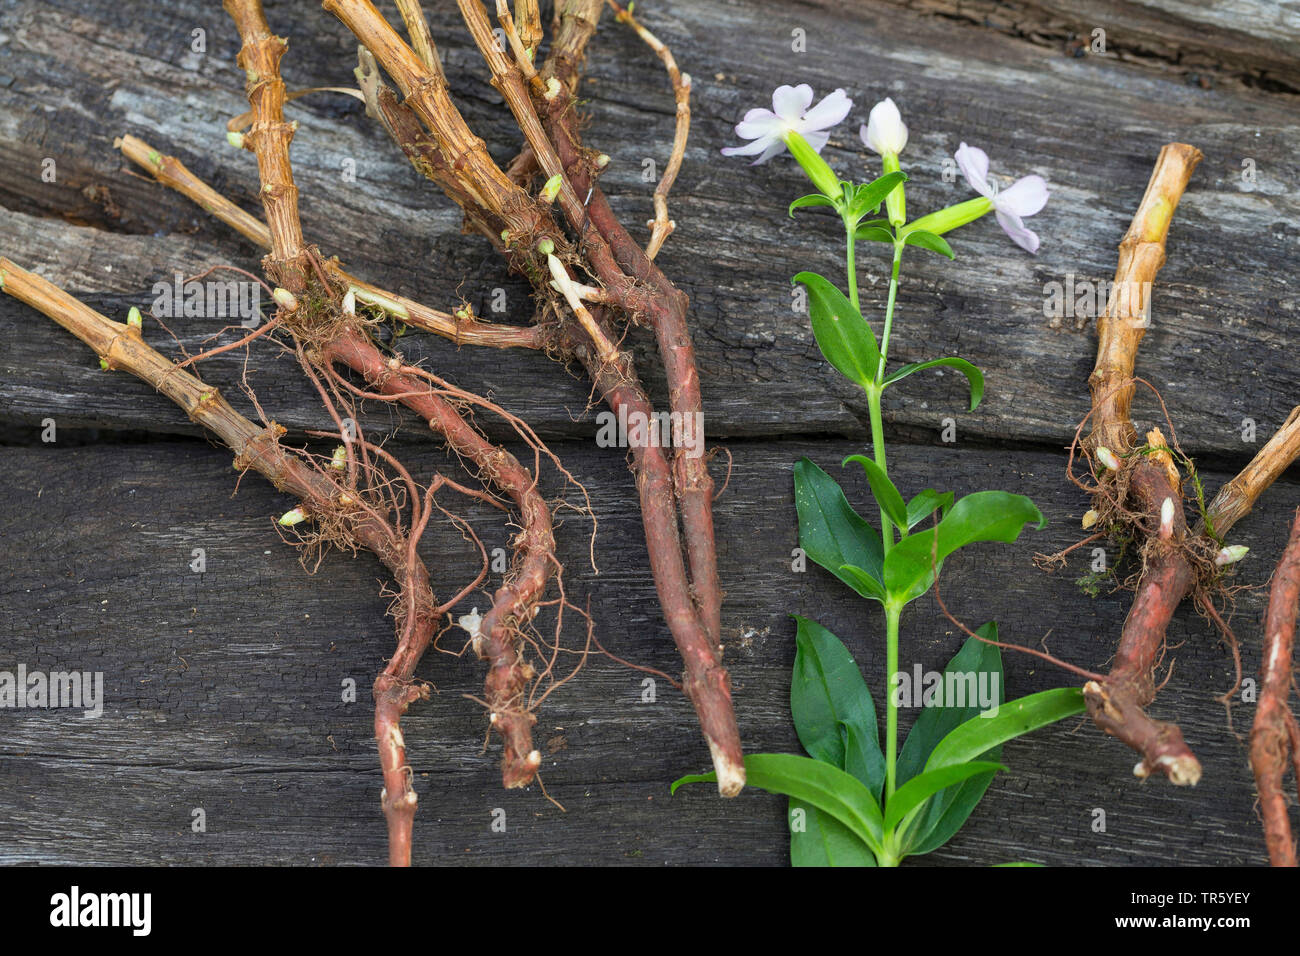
{"x":661,"y":226}
{"x":1272,"y":738}
{"x":172,"y":173}
{"x":269,"y":138}
{"x":428,"y":97}
{"x":1123,"y":323}
{"x":1237,"y":497}
{"x":417,"y":28}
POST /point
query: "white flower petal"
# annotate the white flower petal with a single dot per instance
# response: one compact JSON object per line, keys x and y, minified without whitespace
{"x":759,"y":123}
{"x":1024,"y":197}
{"x":974,"y":165}
{"x":829,"y":112}
{"x":757,"y":146}
{"x":789,"y":102}
{"x":777,"y":146}
{"x":1026,"y":239}
{"x":817,"y":140}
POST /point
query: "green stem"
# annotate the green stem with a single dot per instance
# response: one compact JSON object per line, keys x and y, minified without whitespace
{"x":875,"y":391}
{"x":889,"y":310}
{"x":850,"y":231}
{"x":892,"y":614}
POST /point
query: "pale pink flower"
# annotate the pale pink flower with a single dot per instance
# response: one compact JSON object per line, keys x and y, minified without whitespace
{"x":790,"y":113}
{"x":1022,"y":198}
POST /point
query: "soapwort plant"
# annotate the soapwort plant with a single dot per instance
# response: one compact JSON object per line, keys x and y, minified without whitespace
{"x":852,"y":802}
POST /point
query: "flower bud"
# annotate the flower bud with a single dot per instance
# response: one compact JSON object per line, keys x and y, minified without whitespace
{"x":235,"y":139}
{"x":134,"y":318}
{"x":602,"y":160}
{"x":885,"y":132}
{"x":546,"y":246}
{"x":1090,"y":518}
{"x":340,"y":459}
{"x":1231,"y":554}
{"x":350,"y":302}
{"x":1107,"y":458}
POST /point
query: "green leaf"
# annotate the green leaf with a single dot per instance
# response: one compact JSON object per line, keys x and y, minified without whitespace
{"x":982,"y":516}
{"x":947,"y":811}
{"x":868,"y":197}
{"x":925,"y":504}
{"x":824,"y":841}
{"x":921,"y":788}
{"x":831,"y":705}
{"x":937,"y":719}
{"x":865,"y":584}
{"x":979,"y":734}
{"x":842,"y":333}
{"x":973,"y":374}
{"x":873,"y":234}
{"x":1018,"y":863}
{"x":886,"y":495}
{"x":812,"y":199}
{"x":928,"y":240}
{"x":682,"y":781}
{"x":827,"y":788}
{"x":830,"y":531}
{"x":836,"y":723}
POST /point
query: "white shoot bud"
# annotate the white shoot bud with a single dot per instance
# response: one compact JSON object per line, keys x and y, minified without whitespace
{"x":285,"y":299}
{"x":1231,"y":554}
{"x":1107,"y":458}
{"x":471,"y":623}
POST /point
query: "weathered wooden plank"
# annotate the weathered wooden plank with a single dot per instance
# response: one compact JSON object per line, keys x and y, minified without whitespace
{"x":223,"y":688}
{"x":1252,"y":41}
{"x":85,"y":72}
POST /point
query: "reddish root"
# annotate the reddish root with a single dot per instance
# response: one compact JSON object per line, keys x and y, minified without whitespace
{"x":1275,"y":736}
{"x":1116,"y":703}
